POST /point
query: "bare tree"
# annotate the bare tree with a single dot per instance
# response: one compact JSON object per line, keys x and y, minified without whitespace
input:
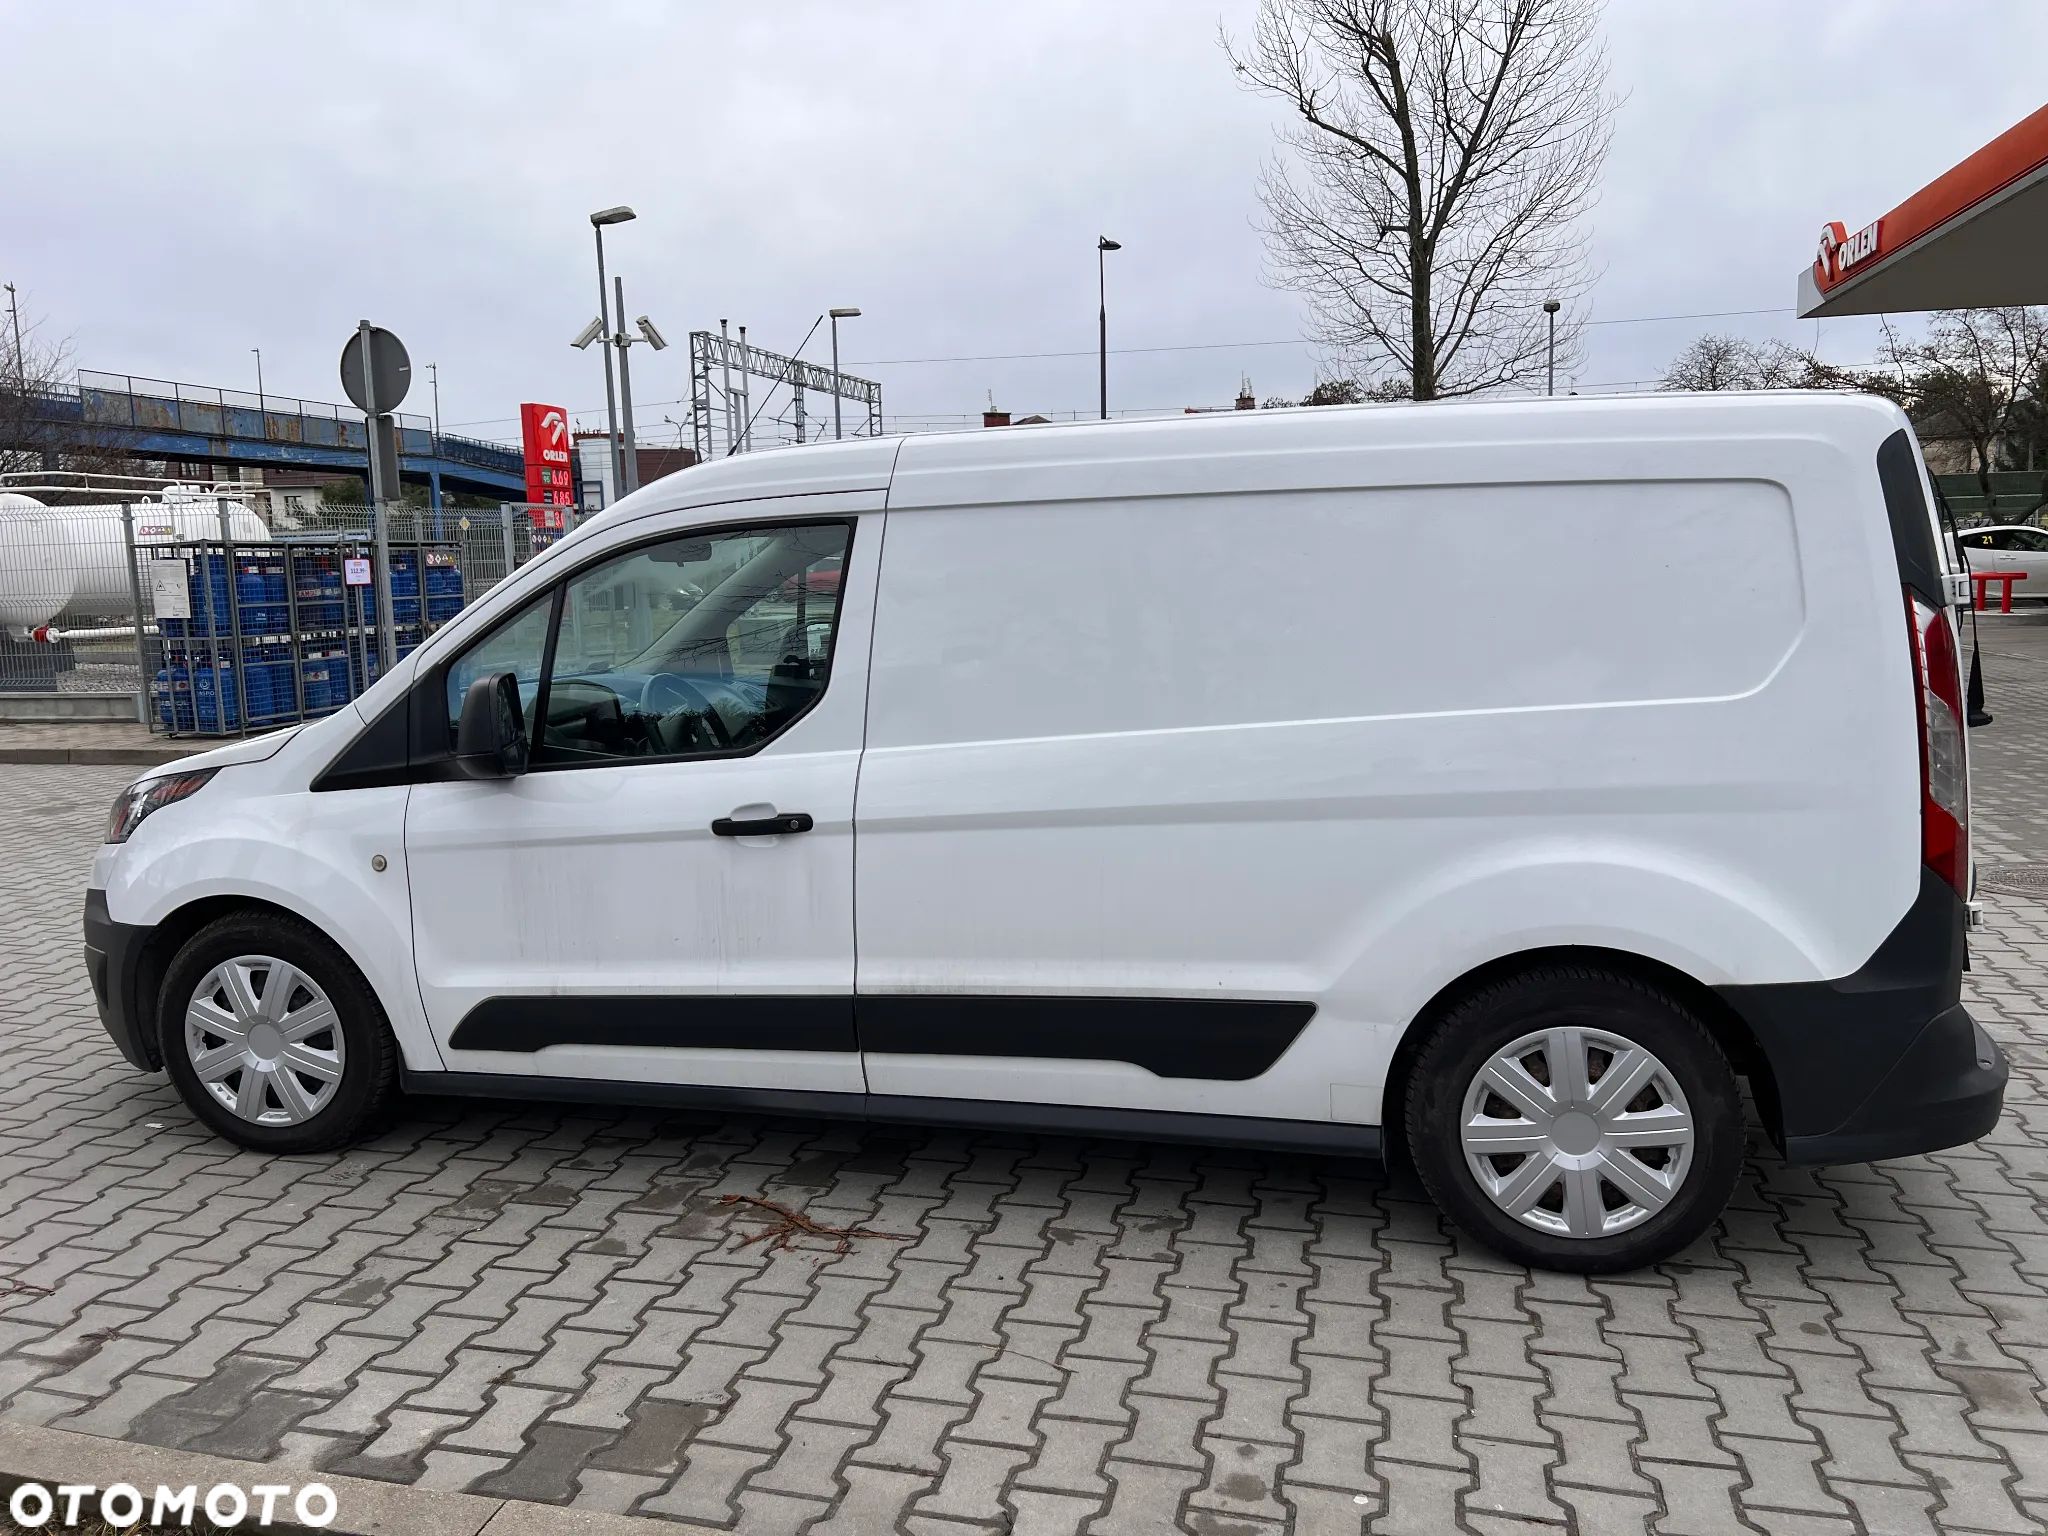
{"x":29,"y":374}
{"x":1730,"y":362}
{"x":1972,"y":379}
{"x":41,"y":427}
{"x":1343,"y":389}
{"x":1448,"y":150}
{"x":1712,"y":362}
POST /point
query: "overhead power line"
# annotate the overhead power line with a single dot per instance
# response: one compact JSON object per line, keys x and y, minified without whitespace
{"x":1193,"y":346}
{"x":1287,"y":341}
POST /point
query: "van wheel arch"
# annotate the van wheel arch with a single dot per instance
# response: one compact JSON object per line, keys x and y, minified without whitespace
{"x":1729,"y":1030}
{"x":170,"y":936}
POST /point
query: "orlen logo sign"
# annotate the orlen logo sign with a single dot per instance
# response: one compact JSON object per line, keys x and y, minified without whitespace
{"x":544,"y":433}
{"x":1841,"y":252}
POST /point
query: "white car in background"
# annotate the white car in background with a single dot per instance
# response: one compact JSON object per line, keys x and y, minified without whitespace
{"x":2010,"y":547}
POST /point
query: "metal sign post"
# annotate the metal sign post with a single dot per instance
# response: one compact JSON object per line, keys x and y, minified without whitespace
{"x":143,"y":672}
{"x":376,"y":372}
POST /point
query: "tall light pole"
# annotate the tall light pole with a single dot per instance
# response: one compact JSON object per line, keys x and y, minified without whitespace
{"x":20,"y":357}
{"x":261,"y":425}
{"x":1102,"y":244}
{"x":629,"y":466}
{"x":598,"y":220}
{"x":838,"y":420}
{"x":629,"y":454}
{"x":434,"y":373}
{"x":1550,"y":312}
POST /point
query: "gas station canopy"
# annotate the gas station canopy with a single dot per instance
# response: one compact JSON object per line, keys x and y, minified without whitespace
{"x":1974,"y":237}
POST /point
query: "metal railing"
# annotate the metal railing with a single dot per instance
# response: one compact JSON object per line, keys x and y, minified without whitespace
{"x":161,"y":405}
{"x":127,"y":400}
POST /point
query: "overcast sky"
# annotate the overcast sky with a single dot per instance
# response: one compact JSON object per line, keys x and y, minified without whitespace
{"x":185,"y":182}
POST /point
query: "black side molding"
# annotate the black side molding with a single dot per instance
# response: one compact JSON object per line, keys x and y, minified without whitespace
{"x":700,"y":1023}
{"x":1218,"y":1039}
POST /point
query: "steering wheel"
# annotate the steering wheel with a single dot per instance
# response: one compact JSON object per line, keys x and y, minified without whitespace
{"x":668,"y":694}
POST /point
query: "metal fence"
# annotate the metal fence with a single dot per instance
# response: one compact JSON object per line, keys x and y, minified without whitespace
{"x":64,"y":564}
{"x":239,"y":637}
{"x":145,"y":597}
{"x":492,"y":541}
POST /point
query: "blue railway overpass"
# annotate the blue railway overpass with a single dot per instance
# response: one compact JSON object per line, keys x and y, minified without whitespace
{"x":154,"y":419}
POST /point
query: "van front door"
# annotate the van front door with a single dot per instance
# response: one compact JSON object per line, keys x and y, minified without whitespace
{"x":609,"y":914}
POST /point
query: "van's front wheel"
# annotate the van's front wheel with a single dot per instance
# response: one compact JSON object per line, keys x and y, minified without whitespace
{"x":273,"y":1037}
{"x":1576,"y":1119}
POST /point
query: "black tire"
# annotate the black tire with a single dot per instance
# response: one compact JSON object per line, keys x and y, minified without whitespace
{"x":369,"y":1067}
{"x":1461,"y":1042}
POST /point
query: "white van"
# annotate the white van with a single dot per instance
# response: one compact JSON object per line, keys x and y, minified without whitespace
{"x":1497,"y":783}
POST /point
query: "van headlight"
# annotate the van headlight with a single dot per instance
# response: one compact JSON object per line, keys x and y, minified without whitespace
{"x":134,"y":804}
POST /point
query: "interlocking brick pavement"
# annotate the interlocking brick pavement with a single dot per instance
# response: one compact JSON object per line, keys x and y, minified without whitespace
{"x":552,"y":1304}
{"x":98,"y":742}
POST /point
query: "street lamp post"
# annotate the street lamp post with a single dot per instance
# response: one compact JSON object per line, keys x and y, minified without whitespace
{"x":20,"y":357}
{"x":1102,"y":244}
{"x":434,"y":373}
{"x":262,"y":425}
{"x":1550,"y":313}
{"x":598,"y":220}
{"x":626,"y":466}
{"x":838,"y":403}
{"x":629,"y":453}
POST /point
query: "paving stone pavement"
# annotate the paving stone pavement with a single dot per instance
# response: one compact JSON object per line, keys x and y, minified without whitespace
{"x":553,"y":1304}
{"x":89,"y":741}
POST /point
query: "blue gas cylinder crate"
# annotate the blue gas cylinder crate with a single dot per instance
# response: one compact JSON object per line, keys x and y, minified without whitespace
{"x":405,"y":590}
{"x":368,"y":664}
{"x":260,"y":597}
{"x":324,"y":672}
{"x":444,"y":587}
{"x":267,"y":680}
{"x":206,"y":594}
{"x":173,"y":692}
{"x":317,"y":584}
{"x":216,"y":702}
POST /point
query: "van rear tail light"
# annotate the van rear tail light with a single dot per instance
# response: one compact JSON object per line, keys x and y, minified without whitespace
{"x":1944,"y":769}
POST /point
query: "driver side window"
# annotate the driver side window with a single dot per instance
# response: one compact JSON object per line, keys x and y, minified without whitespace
{"x":700,"y":645}
{"x":518,"y":646}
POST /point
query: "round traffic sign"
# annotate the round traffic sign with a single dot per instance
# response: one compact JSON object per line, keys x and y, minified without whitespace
{"x":388,"y":368}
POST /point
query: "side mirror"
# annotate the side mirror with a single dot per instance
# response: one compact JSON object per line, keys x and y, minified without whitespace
{"x":490,"y":736}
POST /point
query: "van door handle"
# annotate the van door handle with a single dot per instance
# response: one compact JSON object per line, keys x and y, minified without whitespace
{"x":763,"y":826}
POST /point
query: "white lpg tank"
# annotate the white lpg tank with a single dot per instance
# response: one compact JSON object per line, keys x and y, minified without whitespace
{"x":72,"y":562}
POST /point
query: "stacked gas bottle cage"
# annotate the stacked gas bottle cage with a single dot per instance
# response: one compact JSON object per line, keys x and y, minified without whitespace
{"x":276,"y":635}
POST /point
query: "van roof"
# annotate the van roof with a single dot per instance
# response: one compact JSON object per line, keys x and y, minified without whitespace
{"x":868,"y":464}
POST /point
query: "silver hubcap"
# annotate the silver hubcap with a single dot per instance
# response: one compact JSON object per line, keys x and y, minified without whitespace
{"x":1577,"y":1132}
{"x":264,"y":1040}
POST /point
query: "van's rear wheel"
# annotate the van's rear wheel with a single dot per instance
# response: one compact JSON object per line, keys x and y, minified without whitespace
{"x":1576,"y":1119}
{"x":273,"y":1037}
